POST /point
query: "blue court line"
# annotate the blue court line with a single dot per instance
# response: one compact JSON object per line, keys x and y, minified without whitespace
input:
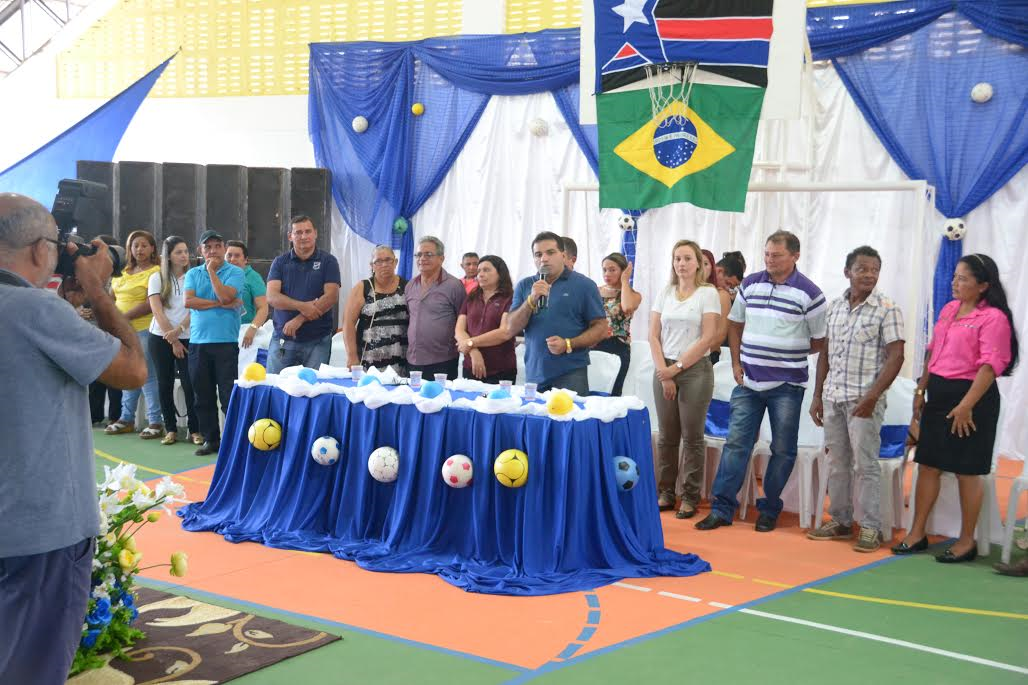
{"x":592,"y":620}
{"x":160,"y":585}
{"x":558,"y":665}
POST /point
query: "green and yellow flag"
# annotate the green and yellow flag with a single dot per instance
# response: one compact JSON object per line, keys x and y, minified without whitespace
{"x":700,"y":153}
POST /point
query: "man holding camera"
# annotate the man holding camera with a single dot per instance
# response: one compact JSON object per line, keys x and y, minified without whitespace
{"x":48,"y":501}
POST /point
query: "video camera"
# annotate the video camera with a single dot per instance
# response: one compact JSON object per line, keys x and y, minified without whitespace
{"x":79,"y":201}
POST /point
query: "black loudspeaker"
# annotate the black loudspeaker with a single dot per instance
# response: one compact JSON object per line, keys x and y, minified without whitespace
{"x":184,"y":204}
{"x":227,"y":200}
{"x":310,"y":193}
{"x":105,"y":222}
{"x":139,"y":198}
{"x":267,"y":212}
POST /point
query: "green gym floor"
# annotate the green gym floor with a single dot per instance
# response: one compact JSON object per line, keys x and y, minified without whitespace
{"x":893,"y":619}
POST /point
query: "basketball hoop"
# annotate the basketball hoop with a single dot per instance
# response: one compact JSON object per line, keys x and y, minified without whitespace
{"x":668,"y":83}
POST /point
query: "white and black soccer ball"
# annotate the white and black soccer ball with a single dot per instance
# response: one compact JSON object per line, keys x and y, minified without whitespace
{"x":384,"y":464}
{"x":626,"y":222}
{"x":954,"y":229}
{"x":325,"y":450}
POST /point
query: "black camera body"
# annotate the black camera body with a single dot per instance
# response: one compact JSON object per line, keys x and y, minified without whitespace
{"x":77,"y":201}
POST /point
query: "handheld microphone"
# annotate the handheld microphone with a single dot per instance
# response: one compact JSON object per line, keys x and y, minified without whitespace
{"x":540,"y":302}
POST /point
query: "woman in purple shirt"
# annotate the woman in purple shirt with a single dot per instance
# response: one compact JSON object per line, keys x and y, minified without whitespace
{"x":481,"y":330}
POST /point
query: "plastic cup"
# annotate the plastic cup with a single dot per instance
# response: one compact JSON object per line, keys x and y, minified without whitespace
{"x":505,"y":385}
{"x":356,"y":372}
{"x":440,"y":378}
{"x":530,"y":389}
{"x":415,"y":379}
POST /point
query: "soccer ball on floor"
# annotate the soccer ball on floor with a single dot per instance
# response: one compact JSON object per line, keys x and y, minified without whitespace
{"x":325,"y":450}
{"x":511,"y":468}
{"x":626,"y":472}
{"x":384,"y":464}
{"x":265,"y":434}
{"x":458,"y":471}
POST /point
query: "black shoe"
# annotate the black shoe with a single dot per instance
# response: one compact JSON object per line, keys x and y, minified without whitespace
{"x":948,"y":557}
{"x":765,"y":523}
{"x":711,"y":522}
{"x":903,"y":548}
{"x":685,"y":512}
{"x":207,"y":448}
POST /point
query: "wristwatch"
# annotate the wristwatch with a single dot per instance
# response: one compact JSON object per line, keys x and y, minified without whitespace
{"x":567,"y":342}
{"x":255,"y":327}
{"x":471,"y":342}
{"x":919,"y":392}
{"x":679,"y":365}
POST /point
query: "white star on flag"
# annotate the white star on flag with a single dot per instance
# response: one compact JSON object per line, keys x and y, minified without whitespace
{"x":631,"y":11}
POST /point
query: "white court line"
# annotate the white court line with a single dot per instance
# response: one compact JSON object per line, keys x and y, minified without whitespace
{"x":891,"y":641}
{"x":720,"y":605}
{"x":672,"y":595}
{"x":638,"y":588}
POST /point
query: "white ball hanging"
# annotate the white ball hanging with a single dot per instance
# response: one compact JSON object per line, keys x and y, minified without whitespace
{"x":360,"y":124}
{"x":954,"y":229}
{"x":626,"y":222}
{"x":982,"y":92}
{"x":538,"y":127}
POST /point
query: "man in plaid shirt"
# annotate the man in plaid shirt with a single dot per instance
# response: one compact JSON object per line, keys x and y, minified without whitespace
{"x":864,"y":354}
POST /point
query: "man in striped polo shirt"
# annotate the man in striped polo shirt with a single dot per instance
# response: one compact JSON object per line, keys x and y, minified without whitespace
{"x":777,"y":320}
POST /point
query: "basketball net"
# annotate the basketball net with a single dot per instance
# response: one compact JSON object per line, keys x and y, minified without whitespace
{"x":668,"y":83}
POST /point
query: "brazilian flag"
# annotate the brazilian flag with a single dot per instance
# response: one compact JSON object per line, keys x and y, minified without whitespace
{"x":700,"y":152}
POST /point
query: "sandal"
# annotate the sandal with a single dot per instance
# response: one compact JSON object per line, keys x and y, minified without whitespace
{"x":119,"y":427}
{"x":152,"y":432}
{"x":169,"y":438}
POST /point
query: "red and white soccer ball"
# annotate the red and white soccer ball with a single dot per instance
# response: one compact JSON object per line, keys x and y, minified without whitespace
{"x":458,"y":471}
{"x":384,"y":464}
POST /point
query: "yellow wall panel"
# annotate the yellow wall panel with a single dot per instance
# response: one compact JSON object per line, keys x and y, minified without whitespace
{"x":536,"y":15}
{"x":234,"y":47}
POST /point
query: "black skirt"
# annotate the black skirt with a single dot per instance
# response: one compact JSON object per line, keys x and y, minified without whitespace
{"x":939,"y":447}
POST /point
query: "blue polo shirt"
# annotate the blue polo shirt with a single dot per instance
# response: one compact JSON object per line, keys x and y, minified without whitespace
{"x":216,"y":325}
{"x":304,"y":280}
{"x":574,"y":301}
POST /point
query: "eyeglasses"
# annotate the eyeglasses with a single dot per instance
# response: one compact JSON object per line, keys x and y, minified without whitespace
{"x":385,"y":262}
{"x":862,"y":270}
{"x":425,"y":255}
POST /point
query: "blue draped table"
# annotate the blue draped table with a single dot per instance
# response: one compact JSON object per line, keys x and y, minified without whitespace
{"x":569,"y":528}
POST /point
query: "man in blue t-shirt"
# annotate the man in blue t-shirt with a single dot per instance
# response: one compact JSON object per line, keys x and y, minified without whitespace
{"x":303,"y":287}
{"x":562,"y":316}
{"x":212,"y":295}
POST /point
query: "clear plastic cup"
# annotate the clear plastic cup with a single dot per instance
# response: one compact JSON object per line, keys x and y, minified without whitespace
{"x":356,"y":372}
{"x":505,"y":385}
{"x":530,"y":389}
{"x":415,"y":380}
{"x":440,"y":378}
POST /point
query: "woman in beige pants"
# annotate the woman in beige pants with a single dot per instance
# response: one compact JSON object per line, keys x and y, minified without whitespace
{"x":683,"y":326}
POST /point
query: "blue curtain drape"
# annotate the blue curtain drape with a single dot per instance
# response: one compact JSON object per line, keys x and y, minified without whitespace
{"x":910,"y":67}
{"x":388,"y":172}
{"x":94,"y":138}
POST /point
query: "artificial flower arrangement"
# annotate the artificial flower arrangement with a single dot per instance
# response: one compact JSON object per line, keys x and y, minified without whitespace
{"x":126,"y":505}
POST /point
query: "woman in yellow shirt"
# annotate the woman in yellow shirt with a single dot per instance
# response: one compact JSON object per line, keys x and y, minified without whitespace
{"x":130,"y":297}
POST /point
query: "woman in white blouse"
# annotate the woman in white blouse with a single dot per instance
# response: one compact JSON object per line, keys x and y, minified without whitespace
{"x":683,"y":326}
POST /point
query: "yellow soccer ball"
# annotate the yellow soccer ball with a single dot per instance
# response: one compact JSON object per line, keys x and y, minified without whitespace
{"x":265,"y":434}
{"x":560,"y":403}
{"x":511,"y":468}
{"x":417,"y":109}
{"x":254,"y":372}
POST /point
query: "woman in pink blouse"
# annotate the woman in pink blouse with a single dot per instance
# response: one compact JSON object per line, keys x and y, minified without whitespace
{"x":957,"y":400}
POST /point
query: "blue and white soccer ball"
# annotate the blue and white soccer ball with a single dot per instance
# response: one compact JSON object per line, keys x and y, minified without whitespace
{"x":626,"y":473}
{"x":325,"y":450}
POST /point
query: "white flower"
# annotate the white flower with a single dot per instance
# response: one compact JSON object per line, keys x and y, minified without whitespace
{"x":169,"y":489}
{"x":142,"y":499}
{"x":110,"y":505}
{"x":103,"y":522}
{"x":121,"y":477}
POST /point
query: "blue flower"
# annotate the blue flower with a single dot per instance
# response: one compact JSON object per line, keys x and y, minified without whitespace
{"x":127,"y":600}
{"x":135,"y":613}
{"x":89,"y":639}
{"x":101,"y":613}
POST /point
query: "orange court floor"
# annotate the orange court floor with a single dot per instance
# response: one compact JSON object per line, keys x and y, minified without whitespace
{"x":428,"y":611}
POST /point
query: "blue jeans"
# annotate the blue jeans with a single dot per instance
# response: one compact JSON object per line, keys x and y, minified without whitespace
{"x":284,"y":352}
{"x":130,"y":398}
{"x":577,"y":380}
{"x":747,"y":411}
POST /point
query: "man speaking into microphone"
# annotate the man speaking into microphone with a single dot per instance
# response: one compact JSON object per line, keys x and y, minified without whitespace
{"x":562,"y":317}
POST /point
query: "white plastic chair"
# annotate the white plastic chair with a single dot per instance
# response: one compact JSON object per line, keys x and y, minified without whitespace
{"x":1020,"y":485}
{"x":603,"y":371}
{"x":945,"y":516}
